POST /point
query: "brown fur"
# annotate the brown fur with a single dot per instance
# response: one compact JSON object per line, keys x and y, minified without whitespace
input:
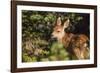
{"x":75,"y":44}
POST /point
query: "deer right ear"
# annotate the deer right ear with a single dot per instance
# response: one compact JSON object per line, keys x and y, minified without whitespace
{"x":66,"y":23}
{"x":58,"y":21}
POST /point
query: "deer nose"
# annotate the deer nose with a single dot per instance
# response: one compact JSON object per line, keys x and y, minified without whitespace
{"x":53,"y":39}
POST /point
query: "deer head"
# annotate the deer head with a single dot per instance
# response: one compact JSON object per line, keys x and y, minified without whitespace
{"x":58,"y":31}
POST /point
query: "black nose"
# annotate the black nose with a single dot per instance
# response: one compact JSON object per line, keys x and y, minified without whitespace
{"x":53,"y":39}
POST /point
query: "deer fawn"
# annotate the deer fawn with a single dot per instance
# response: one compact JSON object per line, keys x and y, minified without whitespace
{"x":76,"y":45}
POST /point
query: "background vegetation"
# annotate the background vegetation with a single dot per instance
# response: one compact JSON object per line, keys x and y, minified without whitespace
{"x":37,"y":27}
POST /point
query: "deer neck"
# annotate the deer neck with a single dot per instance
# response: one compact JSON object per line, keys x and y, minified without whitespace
{"x":67,"y":39}
{"x":60,"y":40}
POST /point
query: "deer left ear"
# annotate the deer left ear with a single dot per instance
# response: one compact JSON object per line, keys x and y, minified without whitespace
{"x":58,"y":21}
{"x":66,"y":23}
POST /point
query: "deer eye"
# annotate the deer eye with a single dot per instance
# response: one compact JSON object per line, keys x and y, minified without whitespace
{"x":58,"y":31}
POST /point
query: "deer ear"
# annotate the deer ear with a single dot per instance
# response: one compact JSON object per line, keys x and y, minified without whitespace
{"x":59,"y":21}
{"x":66,"y":23}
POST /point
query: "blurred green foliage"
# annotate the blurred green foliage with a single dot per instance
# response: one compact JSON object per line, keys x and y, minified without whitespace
{"x":37,"y":27}
{"x":58,"y":52}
